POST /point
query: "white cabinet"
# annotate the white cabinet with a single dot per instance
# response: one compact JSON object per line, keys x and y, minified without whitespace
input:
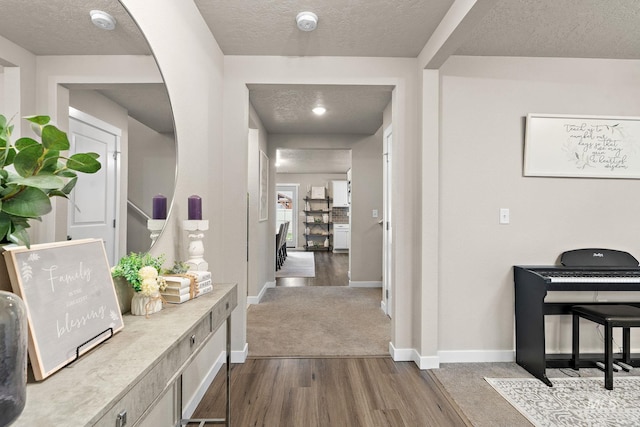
{"x":339,"y":191}
{"x":341,"y":238}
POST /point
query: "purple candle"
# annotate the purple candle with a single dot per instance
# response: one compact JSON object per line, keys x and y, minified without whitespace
{"x":159,"y":207}
{"x":195,"y":207}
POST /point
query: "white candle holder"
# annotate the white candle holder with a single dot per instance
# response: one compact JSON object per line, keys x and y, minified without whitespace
{"x":155,"y":226}
{"x":195,"y":250}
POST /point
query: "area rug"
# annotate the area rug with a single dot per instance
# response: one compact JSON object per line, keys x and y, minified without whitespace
{"x":318,"y":321}
{"x":573,"y":401}
{"x":298,"y":264}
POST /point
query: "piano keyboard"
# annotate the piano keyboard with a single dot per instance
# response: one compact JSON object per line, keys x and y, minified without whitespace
{"x":573,"y":276}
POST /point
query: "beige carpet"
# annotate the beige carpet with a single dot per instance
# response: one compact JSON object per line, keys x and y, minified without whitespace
{"x":322,"y":321}
{"x":484,"y":406}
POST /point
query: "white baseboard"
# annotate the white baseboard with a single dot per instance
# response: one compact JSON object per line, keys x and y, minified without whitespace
{"x":362,"y":284}
{"x":190,"y":407}
{"x":240,"y":356}
{"x":460,"y":356}
{"x":383,"y":306}
{"x":257,"y":299}
{"x":476,"y":356}
{"x":411,"y":355}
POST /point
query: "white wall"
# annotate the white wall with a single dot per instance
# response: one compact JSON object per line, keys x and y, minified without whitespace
{"x":483,"y":105}
{"x":152,"y":171}
{"x":261,"y":269}
{"x":19,"y":93}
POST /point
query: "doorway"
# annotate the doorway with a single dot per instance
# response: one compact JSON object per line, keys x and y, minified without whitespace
{"x":92,"y":208}
{"x":286,"y":208}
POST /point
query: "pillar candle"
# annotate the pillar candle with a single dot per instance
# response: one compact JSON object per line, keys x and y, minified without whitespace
{"x":159,"y":207}
{"x":195,"y":207}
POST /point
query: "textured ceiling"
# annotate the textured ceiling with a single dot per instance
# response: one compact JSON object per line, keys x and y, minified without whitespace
{"x":350,"y":109}
{"x":345,"y":28}
{"x":63,"y":27}
{"x":289,"y":160}
{"x":567,"y":28}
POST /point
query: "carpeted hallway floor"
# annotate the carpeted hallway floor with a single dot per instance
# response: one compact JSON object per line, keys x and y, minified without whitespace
{"x":313,"y":321}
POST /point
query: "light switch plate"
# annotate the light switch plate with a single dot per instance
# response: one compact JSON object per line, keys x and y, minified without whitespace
{"x":374,"y":213}
{"x":504,"y":216}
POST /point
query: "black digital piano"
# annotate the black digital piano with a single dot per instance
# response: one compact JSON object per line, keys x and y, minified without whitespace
{"x":579,"y":270}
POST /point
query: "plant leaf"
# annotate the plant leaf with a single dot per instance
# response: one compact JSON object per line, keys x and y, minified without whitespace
{"x":20,"y":237}
{"x":25,"y":142}
{"x":54,"y":139}
{"x":58,"y":193}
{"x":5,"y":225}
{"x":70,"y":185}
{"x":84,"y":162}
{"x":46,"y":182}
{"x":39,"y":120}
{"x":67,"y":173}
{"x":29,"y":203}
{"x":11,"y":155}
{"x":26,"y":161}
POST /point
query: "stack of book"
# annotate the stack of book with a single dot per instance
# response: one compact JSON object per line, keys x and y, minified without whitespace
{"x":179,"y":288}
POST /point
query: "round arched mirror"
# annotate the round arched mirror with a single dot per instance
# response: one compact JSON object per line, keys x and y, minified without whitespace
{"x":104,"y":87}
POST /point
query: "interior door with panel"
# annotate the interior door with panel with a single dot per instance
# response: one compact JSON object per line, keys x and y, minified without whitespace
{"x":92,"y":207}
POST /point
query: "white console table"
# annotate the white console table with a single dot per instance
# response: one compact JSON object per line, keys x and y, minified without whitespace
{"x":134,"y":369}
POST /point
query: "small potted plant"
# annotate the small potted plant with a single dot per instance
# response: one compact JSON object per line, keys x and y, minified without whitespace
{"x":31,"y":172}
{"x":142,"y":273}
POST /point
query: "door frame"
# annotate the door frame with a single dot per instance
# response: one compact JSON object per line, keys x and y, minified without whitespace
{"x":387,"y":221}
{"x":294,"y":208}
{"x":117,"y":132}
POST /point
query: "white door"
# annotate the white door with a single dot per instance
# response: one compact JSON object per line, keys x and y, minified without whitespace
{"x":387,"y":259}
{"x":92,"y":204}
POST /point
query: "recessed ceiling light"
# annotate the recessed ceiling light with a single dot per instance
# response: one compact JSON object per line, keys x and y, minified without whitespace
{"x":307,"y":21}
{"x":319,"y":111}
{"x":102,"y":20}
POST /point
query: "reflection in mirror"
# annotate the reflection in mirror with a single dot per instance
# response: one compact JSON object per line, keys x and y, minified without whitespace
{"x":54,"y":61}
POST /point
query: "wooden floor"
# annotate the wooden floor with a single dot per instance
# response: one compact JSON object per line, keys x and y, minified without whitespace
{"x":340,"y":392}
{"x":330,"y":392}
{"x":331,"y":270}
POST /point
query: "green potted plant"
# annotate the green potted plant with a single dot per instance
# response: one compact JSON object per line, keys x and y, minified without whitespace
{"x":32,"y":172}
{"x":142,"y":273}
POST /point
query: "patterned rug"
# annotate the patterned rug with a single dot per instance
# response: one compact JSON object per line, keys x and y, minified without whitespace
{"x":573,"y":401}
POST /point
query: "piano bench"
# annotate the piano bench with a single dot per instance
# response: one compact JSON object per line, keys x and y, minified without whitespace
{"x":610,"y":316}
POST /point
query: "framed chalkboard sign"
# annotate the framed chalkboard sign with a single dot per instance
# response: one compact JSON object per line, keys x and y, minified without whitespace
{"x":71,"y":301}
{"x":582,"y":146}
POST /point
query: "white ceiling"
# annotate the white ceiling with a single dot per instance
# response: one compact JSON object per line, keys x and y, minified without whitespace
{"x":381,"y":28}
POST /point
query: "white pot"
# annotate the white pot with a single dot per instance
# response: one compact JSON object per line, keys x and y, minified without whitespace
{"x":143,"y":305}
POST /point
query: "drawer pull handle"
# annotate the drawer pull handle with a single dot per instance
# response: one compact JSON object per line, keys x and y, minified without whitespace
{"x":193,"y":340}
